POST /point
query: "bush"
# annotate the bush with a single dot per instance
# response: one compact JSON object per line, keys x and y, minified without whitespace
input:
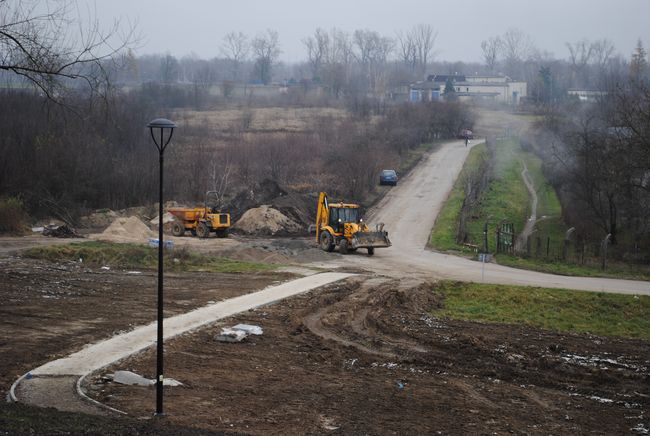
{"x":12,"y":215}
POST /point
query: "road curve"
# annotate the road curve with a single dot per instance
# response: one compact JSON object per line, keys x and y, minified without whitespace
{"x":409,"y":211}
{"x":57,"y":383}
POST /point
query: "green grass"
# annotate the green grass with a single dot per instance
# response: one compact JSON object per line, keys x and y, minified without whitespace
{"x":505,"y":200}
{"x":443,"y":236}
{"x":614,"y":270}
{"x":553,"y":309}
{"x":136,"y":256}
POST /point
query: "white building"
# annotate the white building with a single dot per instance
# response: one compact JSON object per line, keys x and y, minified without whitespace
{"x":499,"y":89}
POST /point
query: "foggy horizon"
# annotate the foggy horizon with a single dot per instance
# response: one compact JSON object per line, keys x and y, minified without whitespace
{"x":199,"y":27}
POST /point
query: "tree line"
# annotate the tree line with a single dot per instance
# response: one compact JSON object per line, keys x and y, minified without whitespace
{"x":598,"y":157}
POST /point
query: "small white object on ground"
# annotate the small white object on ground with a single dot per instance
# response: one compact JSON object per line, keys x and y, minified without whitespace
{"x":248,"y":328}
{"x":131,"y":378}
{"x":230,"y":335}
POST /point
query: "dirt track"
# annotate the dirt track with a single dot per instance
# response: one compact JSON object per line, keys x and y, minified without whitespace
{"x":409,"y":211}
{"x":368,"y":358}
{"x":50,"y":310}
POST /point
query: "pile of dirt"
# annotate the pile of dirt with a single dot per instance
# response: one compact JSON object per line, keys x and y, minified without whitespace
{"x":298,"y":207}
{"x":102,"y":218}
{"x":129,"y":229}
{"x":167,"y":219}
{"x":265,"y":220}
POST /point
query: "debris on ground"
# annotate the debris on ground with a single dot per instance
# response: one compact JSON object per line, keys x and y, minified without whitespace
{"x":249,"y":329}
{"x":231,"y":335}
{"x":265,"y":220}
{"x":130,"y":378}
{"x":62,"y":231}
{"x":167,"y":245}
{"x":133,"y":379}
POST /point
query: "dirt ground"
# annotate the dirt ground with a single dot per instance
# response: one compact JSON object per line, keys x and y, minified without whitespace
{"x":371,"y":357}
{"x":50,"y":310}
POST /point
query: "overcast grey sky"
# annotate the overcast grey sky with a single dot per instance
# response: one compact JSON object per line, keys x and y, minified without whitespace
{"x":198,"y":26}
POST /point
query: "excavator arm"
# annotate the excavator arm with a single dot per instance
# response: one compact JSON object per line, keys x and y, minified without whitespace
{"x":322,"y":214}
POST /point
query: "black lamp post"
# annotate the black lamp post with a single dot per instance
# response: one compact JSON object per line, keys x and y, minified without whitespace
{"x":162,"y":124}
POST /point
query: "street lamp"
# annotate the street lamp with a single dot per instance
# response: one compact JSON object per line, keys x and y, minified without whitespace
{"x":162,"y":124}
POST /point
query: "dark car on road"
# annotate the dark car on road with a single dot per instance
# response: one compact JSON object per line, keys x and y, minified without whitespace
{"x":388,"y":177}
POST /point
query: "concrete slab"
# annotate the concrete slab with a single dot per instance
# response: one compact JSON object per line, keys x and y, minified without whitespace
{"x":106,"y":352}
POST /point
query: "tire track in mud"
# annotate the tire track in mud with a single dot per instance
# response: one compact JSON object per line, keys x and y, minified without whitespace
{"x":360,"y":314}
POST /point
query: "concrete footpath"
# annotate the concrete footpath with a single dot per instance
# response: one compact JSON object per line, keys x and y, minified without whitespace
{"x":36,"y":387}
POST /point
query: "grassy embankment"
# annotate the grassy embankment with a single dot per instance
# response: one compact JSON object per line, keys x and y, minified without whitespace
{"x":552,"y":309}
{"x":508,"y":200}
{"x":136,"y":256}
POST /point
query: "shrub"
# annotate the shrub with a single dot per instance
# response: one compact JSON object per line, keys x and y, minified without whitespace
{"x":12,"y":215}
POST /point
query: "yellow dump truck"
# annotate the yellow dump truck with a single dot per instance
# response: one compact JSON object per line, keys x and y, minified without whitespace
{"x":201,"y":221}
{"x":340,"y":225}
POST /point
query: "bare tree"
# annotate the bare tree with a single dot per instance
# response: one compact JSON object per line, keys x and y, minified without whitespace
{"x":338,"y":60}
{"x":492,"y":49}
{"x":639,"y":62}
{"x":266,"y":49}
{"x":372,"y":53}
{"x":517,"y":48}
{"x":169,"y":69}
{"x":318,"y":47}
{"x":424,"y":38}
{"x":603,"y":50}
{"x":49,"y":46}
{"x":235,"y":47}
{"x":580,"y":55}
{"x":406,"y":50}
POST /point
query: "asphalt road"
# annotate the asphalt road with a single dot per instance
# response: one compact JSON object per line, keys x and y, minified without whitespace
{"x":409,"y":212}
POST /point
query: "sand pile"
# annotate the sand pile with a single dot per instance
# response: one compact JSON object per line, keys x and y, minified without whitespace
{"x":129,"y":229}
{"x":168,"y":221}
{"x":265,"y":220}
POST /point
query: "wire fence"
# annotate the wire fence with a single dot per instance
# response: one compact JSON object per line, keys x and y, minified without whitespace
{"x":577,"y":250}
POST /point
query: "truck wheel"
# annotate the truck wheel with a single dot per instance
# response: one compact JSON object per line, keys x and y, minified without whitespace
{"x":326,"y":241}
{"x":178,"y":229}
{"x":222,"y":233}
{"x":343,"y":246}
{"x":371,"y":251}
{"x":202,"y":230}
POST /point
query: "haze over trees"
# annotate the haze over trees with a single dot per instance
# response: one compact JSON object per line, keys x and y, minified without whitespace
{"x":597,"y":153}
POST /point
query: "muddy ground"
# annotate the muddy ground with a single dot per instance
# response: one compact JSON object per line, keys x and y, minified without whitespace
{"x":50,"y":310}
{"x":370,"y":356}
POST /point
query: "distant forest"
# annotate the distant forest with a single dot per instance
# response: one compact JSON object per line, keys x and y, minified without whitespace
{"x":73,"y":117}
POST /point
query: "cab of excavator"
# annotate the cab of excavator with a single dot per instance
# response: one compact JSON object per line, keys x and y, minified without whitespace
{"x":341,"y":215}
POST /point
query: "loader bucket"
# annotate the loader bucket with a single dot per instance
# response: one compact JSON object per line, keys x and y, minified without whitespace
{"x":371,"y":239}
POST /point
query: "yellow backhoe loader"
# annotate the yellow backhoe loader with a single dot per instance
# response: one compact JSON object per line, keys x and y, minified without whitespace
{"x":340,"y":224}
